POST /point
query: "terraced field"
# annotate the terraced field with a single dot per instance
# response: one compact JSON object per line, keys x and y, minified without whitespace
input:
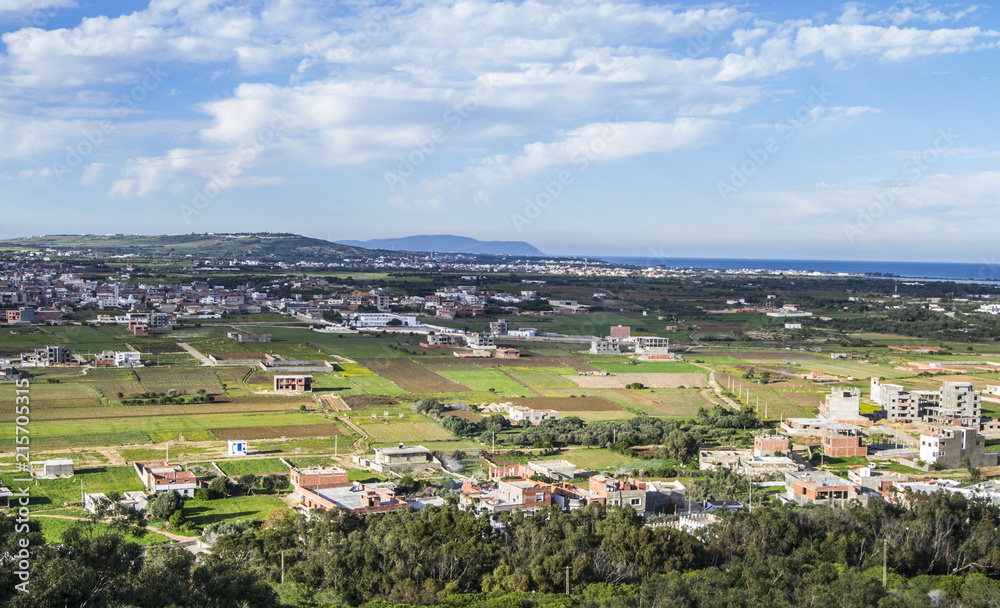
{"x":411,"y":376}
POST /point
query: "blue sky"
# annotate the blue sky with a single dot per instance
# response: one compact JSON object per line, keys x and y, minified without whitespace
{"x":774,"y":129}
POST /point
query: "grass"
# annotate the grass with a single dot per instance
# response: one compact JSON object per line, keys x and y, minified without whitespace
{"x":405,"y":431}
{"x":594,"y":458}
{"x":200,"y":513}
{"x":672,"y":402}
{"x":53,"y":529}
{"x":486,"y":379}
{"x":49,"y":494}
{"x":647,"y":367}
{"x":257,"y":466}
{"x":537,"y":377}
{"x":161,"y":428}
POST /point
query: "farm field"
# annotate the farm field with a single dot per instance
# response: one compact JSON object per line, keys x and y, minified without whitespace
{"x":374,"y":384}
{"x":588,"y":408}
{"x":56,"y":396}
{"x":255,"y":466}
{"x":61,"y":434}
{"x":542,"y":377}
{"x":411,"y":376}
{"x":670,"y":403}
{"x":276,"y":432}
{"x":404,"y":431}
{"x":651,"y":380}
{"x":144,"y":411}
{"x":485,"y":379}
{"x":161,"y":380}
{"x":645,"y":367}
{"x":594,"y":459}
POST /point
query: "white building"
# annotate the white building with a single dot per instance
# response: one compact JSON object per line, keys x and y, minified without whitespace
{"x":604,"y":347}
{"x":524,"y":332}
{"x":517,"y":413}
{"x":382,"y":319}
{"x":842,"y":404}
{"x":237,"y":447}
{"x":128,"y":359}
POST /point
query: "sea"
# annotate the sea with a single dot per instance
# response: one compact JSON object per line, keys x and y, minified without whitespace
{"x":984,"y":272}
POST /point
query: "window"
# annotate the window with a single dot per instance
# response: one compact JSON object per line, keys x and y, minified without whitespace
{"x":539,"y":497}
{"x":636,"y":502}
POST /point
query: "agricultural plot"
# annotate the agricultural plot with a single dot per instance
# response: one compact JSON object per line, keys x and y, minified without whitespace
{"x":61,"y":434}
{"x":255,"y":466}
{"x":411,"y":376}
{"x":328,"y":429}
{"x":542,"y":378}
{"x":645,"y":367}
{"x":470,"y":416}
{"x":595,"y":459}
{"x":588,"y":408}
{"x":487,"y":380}
{"x":374,"y":384}
{"x":406,"y":430}
{"x":188,"y":381}
{"x":143,"y":411}
{"x":670,"y":403}
{"x":65,"y":395}
{"x":110,"y":382}
{"x":650,"y":380}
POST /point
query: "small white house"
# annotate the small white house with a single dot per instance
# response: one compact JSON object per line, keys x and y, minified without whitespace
{"x":237,"y":447}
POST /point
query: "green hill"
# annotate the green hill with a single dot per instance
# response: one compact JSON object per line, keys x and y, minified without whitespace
{"x":212,"y":245}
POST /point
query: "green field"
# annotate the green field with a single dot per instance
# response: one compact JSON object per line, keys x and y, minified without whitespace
{"x":543,"y":377}
{"x":200,"y":513}
{"x":255,"y":466}
{"x":404,"y":431}
{"x":646,"y":367}
{"x":594,"y":459}
{"x":54,"y":528}
{"x":59,"y":434}
{"x":484,"y":379}
{"x":49,"y":494}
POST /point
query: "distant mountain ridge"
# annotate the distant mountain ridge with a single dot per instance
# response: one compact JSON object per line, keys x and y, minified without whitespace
{"x":448,"y":243}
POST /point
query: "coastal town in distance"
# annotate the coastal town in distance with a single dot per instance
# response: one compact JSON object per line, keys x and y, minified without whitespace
{"x":182,"y":397}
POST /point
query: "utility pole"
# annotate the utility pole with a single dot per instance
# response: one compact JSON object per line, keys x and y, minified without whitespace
{"x":493,"y":449}
{"x":567,"y":580}
{"x":336,"y":445}
{"x":282,"y":565}
{"x":82,"y":501}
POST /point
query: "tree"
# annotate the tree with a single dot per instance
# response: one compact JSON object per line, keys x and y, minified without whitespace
{"x":394,"y":323}
{"x":765,"y":377}
{"x":176,"y":519}
{"x":679,"y":445}
{"x":332,"y":316}
{"x":219,"y":485}
{"x":248,"y":482}
{"x":165,"y":504}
